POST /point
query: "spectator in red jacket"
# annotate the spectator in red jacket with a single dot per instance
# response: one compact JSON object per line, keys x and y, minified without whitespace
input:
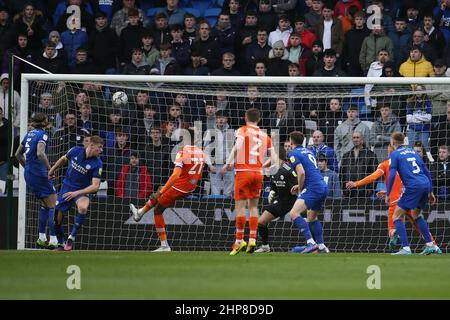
{"x":134,"y":180}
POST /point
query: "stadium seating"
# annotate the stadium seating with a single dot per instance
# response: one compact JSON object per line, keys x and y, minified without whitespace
{"x":211,"y":15}
{"x":152,"y":12}
{"x":202,"y":5}
{"x":193,"y":11}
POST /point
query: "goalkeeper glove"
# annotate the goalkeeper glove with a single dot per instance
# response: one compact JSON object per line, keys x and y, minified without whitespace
{"x":271,"y":196}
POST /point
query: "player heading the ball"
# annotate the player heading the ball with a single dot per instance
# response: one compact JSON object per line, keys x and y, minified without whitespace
{"x":185,"y":177}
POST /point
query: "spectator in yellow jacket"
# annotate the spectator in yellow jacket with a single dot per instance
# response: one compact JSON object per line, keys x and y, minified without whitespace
{"x":416,"y":65}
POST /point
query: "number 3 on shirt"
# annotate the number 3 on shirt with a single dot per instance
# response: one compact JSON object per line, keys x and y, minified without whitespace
{"x":414,"y":164}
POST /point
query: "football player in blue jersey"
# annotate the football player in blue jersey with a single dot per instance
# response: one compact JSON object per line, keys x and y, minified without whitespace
{"x":32,"y":155}
{"x":82,"y":179}
{"x":312,"y":192}
{"x":418,"y":191}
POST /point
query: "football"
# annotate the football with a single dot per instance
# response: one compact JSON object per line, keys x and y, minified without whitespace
{"x":119,"y":98}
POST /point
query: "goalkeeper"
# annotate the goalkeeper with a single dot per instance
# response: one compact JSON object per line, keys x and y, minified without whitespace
{"x":280,"y":198}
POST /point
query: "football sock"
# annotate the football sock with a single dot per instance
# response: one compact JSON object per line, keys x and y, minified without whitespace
{"x":148,"y":205}
{"x":263,"y":232}
{"x":79,"y":220}
{"x":51,"y":221}
{"x":59,"y":230}
{"x":240,"y":228}
{"x":317,"y":231}
{"x":253,"y":222}
{"x":161,"y":229}
{"x":302,"y":225}
{"x":424,"y":229}
{"x":401,"y":230}
{"x":43,"y":218}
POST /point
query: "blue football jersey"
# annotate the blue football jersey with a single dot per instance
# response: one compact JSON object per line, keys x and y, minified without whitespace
{"x":411,"y":168}
{"x":81,"y":170}
{"x":313,"y":177}
{"x":30,"y":141}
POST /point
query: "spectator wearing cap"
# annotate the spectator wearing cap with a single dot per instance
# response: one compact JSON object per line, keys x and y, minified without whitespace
{"x":412,"y":15}
{"x":418,"y":40}
{"x":306,"y":36}
{"x":181,"y":50}
{"x":282,"y":32}
{"x":416,"y":65}
{"x":130,"y":36}
{"x":400,"y":38}
{"x":148,"y":48}
{"x":30,"y":22}
{"x":329,"y":30}
{"x":432,"y":35}
{"x":258,"y":50}
{"x":246,"y":36}
{"x":442,"y":16}
{"x":278,"y":64}
{"x":330,"y":177}
{"x":207,"y":47}
{"x":83,"y":63}
{"x":4,"y":102}
{"x":196,"y":67}
{"x":161,"y":29}
{"x":372,"y":44}
{"x":61,"y":16}
{"x":439,"y":92}
{"x":103,"y":45}
{"x":51,"y":61}
{"x":120,"y":18}
{"x":224,"y":33}
{"x":137,"y":65}
{"x":343,"y":133}
{"x":173,"y":12}
{"x":267,"y":18}
{"x":166,"y":64}
{"x":134,"y":181}
{"x":227,"y":69}
{"x":72,"y":39}
{"x":353,"y":41}
{"x":329,"y":68}
{"x":315,"y":61}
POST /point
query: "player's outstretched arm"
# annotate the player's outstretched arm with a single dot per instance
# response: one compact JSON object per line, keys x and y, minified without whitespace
{"x":19,"y":155}
{"x":93,"y":188}
{"x":40,"y":152}
{"x":366,"y":180}
{"x":61,"y":161}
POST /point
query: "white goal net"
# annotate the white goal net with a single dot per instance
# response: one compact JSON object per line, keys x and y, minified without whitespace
{"x":337,"y":116}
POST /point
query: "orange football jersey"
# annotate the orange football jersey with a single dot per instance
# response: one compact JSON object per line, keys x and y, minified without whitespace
{"x":191,"y":160}
{"x":251,"y":156}
{"x":398,"y":187}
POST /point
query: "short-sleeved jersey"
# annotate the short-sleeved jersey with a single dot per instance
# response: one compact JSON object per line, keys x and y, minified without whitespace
{"x":313,"y":177}
{"x":256,"y":143}
{"x":191,"y":160}
{"x":398,"y":186}
{"x":30,"y":142}
{"x":411,"y":168}
{"x":81,"y":170}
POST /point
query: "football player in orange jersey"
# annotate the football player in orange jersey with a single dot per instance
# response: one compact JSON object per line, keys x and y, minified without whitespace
{"x":397,"y":190}
{"x":247,"y":155}
{"x":187,"y":173}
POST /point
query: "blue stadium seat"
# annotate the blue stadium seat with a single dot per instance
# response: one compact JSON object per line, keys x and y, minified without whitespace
{"x":185,"y":4}
{"x":201,"y":5}
{"x":219,"y":3}
{"x":152,"y":12}
{"x":211,"y":15}
{"x":193,"y":11}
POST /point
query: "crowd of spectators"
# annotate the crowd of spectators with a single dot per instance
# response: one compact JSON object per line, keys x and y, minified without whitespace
{"x":246,"y":38}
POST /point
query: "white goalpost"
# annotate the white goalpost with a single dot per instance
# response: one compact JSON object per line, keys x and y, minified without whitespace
{"x":146,"y":128}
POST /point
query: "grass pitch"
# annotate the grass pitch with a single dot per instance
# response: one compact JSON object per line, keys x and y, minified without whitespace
{"x":215,"y":275}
